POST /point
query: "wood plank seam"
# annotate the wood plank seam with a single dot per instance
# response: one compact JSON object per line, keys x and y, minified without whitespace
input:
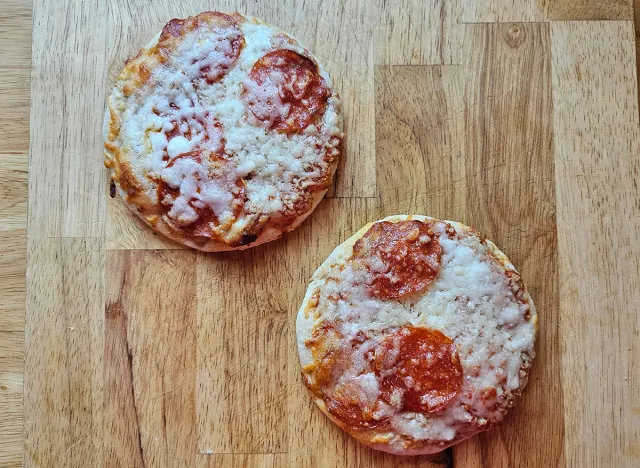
{"x":315,"y":239}
{"x":15,"y":60}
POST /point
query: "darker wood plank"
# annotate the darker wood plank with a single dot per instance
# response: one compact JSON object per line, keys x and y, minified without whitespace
{"x":149,"y":359}
{"x":511,"y":200}
{"x":419,"y":125}
{"x":15,"y":34}
{"x":13,"y":278}
{"x":14,"y":120}
{"x":13,"y":191}
{"x":474,"y":143}
{"x":585,"y":10}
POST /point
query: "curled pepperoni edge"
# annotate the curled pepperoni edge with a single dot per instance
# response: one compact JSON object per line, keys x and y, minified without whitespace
{"x":380,"y":285}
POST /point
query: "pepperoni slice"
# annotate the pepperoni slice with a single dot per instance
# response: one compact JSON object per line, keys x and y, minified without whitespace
{"x":192,"y":185}
{"x":285,"y":91}
{"x":419,"y":370}
{"x":402,"y":257}
{"x":219,"y":44}
{"x":213,"y":65}
{"x":346,"y":399}
{"x":346,"y":405}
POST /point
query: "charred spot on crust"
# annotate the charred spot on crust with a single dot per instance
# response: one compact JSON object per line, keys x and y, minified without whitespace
{"x":112,"y":189}
{"x":247,"y":239}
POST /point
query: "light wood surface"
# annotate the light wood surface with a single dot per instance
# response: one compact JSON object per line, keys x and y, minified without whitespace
{"x":518,"y":117}
{"x":597,"y":170}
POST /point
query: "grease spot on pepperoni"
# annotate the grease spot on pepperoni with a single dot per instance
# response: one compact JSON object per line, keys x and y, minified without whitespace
{"x":402,"y":257}
{"x":285,"y":91}
{"x":419,"y":370}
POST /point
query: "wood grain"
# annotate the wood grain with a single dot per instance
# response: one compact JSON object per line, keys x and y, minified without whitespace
{"x":126,"y":231}
{"x":576,"y":10}
{"x":597,"y":173}
{"x":13,"y":280}
{"x":15,"y":35}
{"x":636,"y":22}
{"x":15,"y":61}
{"x":509,"y":160}
{"x":11,"y":395}
{"x":502,"y":11}
{"x":142,"y":353}
{"x":485,"y":128}
{"x":405,"y":36}
{"x":150,"y":359}
{"x":268,"y":460}
{"x":13,"y":190}
{"x":242,"y":351}
{"x":14,"y":120}
{"x":420,"y":140}
{"x":66,"y":177}
{"x":63,"y":353}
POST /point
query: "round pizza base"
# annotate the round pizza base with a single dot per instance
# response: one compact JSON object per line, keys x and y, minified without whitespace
{"x":305,"y":324}
{"x":124,"y":169}
{"x":268,"y":234}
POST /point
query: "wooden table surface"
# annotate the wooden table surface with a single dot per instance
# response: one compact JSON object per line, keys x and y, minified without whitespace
{"x":518,"y":117}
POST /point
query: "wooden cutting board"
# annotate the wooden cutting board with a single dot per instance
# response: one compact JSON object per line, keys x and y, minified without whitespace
{"x":497,"y":113}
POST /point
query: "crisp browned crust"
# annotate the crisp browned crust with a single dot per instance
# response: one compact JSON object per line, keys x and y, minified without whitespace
{"x":140,"y":192}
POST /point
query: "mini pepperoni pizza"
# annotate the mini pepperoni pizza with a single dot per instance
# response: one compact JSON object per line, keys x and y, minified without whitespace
{"x":416,"y":334}
{"x":223,"y":133}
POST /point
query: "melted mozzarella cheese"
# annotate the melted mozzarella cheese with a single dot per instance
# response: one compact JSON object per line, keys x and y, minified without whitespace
{"x":197,"y":188}
{"x":471,"y":301}
{"x":178,"y":145}
{"x":278,"y":167}
{"x":265,"y":99}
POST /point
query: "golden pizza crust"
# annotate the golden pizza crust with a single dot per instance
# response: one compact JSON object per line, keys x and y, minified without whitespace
{"x":140,"y":194}
{"x":308,"y":319}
